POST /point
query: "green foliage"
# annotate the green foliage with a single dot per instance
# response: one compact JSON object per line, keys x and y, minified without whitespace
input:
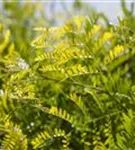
{"x":13,"y":138}
{"x":77,"y":92}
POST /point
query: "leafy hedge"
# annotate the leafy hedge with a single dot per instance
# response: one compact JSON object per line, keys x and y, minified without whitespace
{"x":78,"y":92}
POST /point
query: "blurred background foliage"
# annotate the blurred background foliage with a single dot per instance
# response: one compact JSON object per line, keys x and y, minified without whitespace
{"x":22,"y":16}
{"x":26,"y":91}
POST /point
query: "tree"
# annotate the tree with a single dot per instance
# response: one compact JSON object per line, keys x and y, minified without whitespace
{"x":77,"y":93}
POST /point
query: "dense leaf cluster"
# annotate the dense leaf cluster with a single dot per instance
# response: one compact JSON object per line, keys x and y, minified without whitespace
{"x":77,"y":91}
